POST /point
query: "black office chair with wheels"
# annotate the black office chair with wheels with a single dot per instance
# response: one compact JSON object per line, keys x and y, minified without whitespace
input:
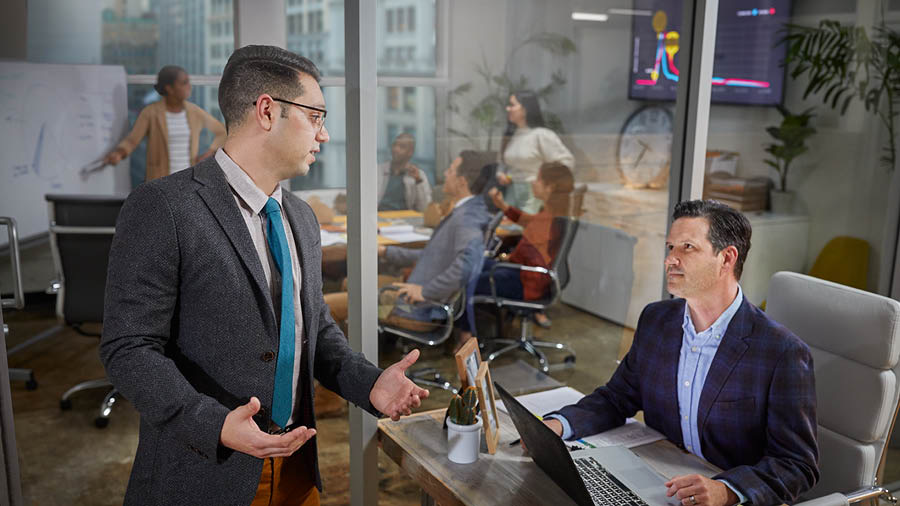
{"x":449,"y":312}
{"x":81,"y":233}
{"x":525,"y":309}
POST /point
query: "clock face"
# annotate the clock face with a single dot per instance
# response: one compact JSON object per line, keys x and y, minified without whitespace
{"x":645,"y":146}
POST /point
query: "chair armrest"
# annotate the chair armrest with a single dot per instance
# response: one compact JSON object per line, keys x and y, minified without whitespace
{"x":426,"y":303}
{"x":827,"y":500}
{"x":555,"y":289}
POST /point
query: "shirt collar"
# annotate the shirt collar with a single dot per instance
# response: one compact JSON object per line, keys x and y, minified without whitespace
{"x":243,"y":186}
{"x":718,"y":327}
{"x":463,"y":201}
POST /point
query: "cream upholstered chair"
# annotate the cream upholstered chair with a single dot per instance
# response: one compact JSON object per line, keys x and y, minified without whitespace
{"x":855,"y":341}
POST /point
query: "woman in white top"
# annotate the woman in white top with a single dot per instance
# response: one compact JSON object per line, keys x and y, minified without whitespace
{"x":172,"y":126}
{"x":527,"y":145}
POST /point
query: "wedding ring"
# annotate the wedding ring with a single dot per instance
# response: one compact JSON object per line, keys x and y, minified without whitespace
{"x":693,"y":501}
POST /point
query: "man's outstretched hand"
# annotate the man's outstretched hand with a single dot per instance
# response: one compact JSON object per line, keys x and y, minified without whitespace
{"x":240,"y":432}
{"x":394,"y":394}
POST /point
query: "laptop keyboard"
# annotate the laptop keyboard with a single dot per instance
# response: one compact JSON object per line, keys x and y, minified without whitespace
{"x":605,"y":489}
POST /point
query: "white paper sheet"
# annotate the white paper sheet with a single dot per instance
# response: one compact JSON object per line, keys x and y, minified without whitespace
{"x":330,"y":238}
{"x":633,"y":433}
{"x":541,"y":403}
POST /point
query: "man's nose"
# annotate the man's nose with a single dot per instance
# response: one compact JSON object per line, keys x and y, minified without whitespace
{"x":323,"y":136}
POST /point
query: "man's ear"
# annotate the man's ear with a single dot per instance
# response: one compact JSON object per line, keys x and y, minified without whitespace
{"x":730,"y":256}
{"x":264,"y":112}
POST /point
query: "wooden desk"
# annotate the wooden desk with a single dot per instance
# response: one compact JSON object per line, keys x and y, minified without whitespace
{"x":418,"y":444}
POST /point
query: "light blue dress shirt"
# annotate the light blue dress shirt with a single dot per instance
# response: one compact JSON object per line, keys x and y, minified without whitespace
{"x":697,"y":353}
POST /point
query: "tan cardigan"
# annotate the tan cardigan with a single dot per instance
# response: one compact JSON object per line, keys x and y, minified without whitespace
{"x":151,"y":122}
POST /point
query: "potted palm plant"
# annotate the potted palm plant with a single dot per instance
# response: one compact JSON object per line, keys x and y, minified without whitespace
{"x":790,"y":137}
{"x":463,"y":427}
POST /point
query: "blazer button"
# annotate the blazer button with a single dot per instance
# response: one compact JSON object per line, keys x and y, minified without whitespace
{"x":268,"y":356}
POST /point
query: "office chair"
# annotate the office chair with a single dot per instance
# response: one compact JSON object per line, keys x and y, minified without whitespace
{"x":559,"y":277}
{"x":450,"y":312}
{"x":81,"y":233}
{"x":854,"y":337}
{"x":17,"y":302}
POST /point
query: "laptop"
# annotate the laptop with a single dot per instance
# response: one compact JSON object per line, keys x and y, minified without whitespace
{"x":612,"y":476}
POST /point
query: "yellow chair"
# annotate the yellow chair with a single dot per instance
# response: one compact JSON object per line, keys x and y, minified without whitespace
{"x":843,"y":260}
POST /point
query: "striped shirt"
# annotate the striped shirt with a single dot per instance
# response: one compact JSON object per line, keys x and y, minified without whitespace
{"x":179,"y":141}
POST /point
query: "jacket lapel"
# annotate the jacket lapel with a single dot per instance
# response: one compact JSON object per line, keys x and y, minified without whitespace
{"x":216,"y":193}
{"x":671,"y":347}
{"x":306,"y":246}
{"x":727,"y":356}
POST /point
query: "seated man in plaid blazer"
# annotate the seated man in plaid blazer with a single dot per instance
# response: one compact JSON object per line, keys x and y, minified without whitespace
{"x":713,"y":373}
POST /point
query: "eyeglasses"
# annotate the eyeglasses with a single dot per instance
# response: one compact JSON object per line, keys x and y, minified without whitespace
{"x":317,"y":120}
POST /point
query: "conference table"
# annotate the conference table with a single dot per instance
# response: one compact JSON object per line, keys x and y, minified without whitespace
{"x":418,"y":444}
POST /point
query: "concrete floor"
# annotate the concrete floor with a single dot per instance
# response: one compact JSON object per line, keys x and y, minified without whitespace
{"x":65,"y":460}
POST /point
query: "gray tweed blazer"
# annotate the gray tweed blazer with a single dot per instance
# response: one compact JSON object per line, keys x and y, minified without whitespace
{"x":189,"y":333}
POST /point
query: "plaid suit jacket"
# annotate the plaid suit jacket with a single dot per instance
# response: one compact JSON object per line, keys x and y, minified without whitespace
{"x":757,"y":412}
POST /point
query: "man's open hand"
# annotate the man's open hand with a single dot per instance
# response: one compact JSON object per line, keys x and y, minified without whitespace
{"x":241,"y":433}
{"x":393,"y":393}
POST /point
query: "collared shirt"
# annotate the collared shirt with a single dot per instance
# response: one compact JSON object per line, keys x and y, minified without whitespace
{"x":698,"y":349}
{"x":394,"y":198}
{"x":251,"y":201}
{"x":697,"y":352}
{"x":462,"y":201}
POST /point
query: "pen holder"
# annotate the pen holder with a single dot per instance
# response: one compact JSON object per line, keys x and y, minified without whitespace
{"x":463,"y":441}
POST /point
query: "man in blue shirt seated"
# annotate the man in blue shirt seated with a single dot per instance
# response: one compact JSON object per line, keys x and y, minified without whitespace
{"x":713,"y":373}
{"x":401,"y":184}
{"x":444,"y":265}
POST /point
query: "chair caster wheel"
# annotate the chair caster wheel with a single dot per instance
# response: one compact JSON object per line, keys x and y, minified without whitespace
{"x":31,"y":384}
{"x":570,"y":360}
{"x":65,"y":404}
{"x":101,"y":422}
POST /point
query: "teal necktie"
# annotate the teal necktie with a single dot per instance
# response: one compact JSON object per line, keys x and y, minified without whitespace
{"x":284,"y":369}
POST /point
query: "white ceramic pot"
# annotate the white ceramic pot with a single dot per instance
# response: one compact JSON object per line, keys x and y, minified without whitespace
{"x":463,"y":441}
{"x":782,"y":202}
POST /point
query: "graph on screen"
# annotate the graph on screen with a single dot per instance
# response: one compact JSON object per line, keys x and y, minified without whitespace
{"x":747,"y":67}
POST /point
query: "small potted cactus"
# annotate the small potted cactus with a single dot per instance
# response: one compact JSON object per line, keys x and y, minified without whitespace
{"x":463,"y":427}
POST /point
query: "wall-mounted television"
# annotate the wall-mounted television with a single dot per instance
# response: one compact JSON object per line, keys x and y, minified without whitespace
{"x":748,"y":58}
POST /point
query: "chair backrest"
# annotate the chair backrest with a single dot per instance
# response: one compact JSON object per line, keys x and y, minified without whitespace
{"x":560,"y":263}
{"x":844,"y":260}
{"x":81,"y":233}
{"x":854,"y":337}
{"x":491,"y":241}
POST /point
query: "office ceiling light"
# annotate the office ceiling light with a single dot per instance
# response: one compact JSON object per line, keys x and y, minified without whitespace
{"x":630,"y":12}
{"x":589,"y":16}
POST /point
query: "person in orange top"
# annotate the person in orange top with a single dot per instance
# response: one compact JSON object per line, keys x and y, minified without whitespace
{"x":541,"y":239}
{"x":172,"y":126}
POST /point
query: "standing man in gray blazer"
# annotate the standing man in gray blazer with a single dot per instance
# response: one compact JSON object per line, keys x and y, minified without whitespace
{"x":214,"y":321}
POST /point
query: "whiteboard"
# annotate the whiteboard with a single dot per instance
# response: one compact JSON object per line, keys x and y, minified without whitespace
{"x":54,"y":121}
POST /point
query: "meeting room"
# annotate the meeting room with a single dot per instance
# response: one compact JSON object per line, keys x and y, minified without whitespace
{"x":398,"y":252}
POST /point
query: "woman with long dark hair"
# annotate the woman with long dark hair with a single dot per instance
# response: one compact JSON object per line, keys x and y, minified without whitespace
{"x":172,"y":126}
{"x":527,"y":145}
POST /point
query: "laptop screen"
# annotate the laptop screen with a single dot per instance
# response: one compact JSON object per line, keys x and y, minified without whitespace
{"x":546,"y":448}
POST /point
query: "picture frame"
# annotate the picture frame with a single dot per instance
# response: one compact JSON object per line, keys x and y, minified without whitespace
{"x":490,"y":422}
{"x":468,"y":360}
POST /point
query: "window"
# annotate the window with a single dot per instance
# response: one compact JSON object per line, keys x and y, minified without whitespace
{"x":409,"y":99}
{"x":393,"y":94}
{"x":411,"y":19}
{"x":401,"y":21}
{"x":390,"y":20}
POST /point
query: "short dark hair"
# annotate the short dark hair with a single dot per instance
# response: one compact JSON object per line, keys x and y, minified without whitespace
{"x":471,"y":169}
{"x":254,"y":70}
{"x":727,"y":227}
{"x":167,"y":77}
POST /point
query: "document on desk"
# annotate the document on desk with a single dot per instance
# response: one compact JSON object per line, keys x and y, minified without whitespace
{"x":541,"y":403}
{"x":402,"y":233}
{"x":633,"y":433}
{"x":331,"y":238}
